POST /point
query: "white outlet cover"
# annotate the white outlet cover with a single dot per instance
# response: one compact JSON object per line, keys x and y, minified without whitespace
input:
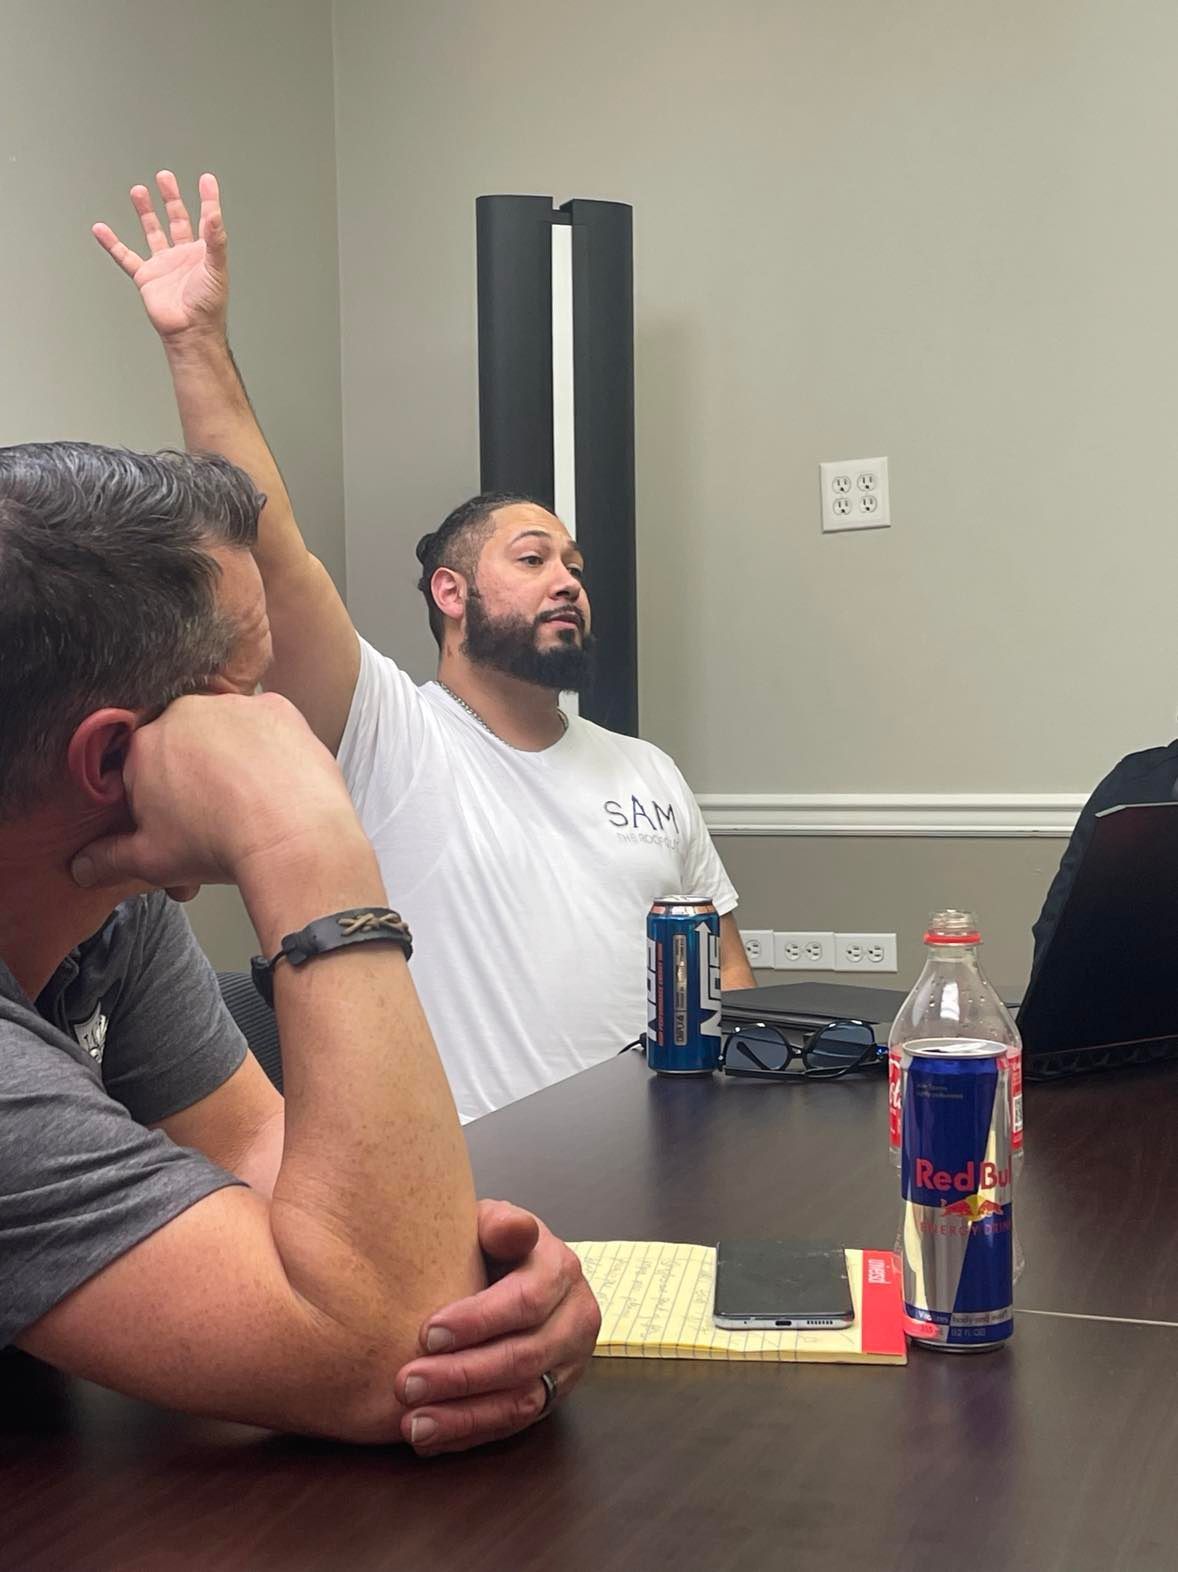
{"x":758,"y":945}
{"x":865,"y":952}
{"x":803,"y":952}
{"x":855,"y":494}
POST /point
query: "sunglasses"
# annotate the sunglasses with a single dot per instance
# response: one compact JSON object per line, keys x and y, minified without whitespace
{"x":774,"y":1052}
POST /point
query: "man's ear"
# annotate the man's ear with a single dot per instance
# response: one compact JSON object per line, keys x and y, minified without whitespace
{"x":97,"y":753}
{"x":450,"y":592}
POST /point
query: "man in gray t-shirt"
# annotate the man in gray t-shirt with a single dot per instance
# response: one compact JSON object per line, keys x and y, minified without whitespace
{"x":129,"y":1030}
{"x":168,"y":1226}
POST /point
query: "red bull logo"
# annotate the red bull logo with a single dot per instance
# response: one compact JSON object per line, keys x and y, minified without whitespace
{"x":972,"y":1207}
{"x":967,"y":1181}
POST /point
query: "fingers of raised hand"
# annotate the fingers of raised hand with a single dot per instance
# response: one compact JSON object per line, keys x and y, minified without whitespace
{"x":130,"y":261}
{"x":179,"y":223}
{"x":212,"y":225}
{"x":152,"y":229}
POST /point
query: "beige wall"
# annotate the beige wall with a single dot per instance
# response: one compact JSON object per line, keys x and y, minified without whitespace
{"x":890,"y":885}
{"x":95,"y":95}
{"x":933,"y":231}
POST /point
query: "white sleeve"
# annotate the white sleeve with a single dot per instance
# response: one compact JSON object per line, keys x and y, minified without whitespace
{"x":703,"y":872}
{"x":383,"y":737}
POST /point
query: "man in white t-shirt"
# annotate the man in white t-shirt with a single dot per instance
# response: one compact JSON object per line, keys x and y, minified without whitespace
{"x":527,"y":844}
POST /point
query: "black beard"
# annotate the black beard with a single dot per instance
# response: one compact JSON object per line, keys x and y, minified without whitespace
{"x":508,"y":644}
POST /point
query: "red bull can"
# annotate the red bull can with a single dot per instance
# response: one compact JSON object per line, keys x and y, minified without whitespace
{"x":955,"y":1186}
{"x":683,"y":986}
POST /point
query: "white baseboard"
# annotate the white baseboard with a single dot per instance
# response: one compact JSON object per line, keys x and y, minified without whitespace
{"x":1001,"y":814}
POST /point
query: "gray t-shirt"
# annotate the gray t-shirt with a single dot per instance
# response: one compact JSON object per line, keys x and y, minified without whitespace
{"x":129,"y":1029}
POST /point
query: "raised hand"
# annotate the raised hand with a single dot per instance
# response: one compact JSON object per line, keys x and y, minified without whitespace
{"x":184,"y":281}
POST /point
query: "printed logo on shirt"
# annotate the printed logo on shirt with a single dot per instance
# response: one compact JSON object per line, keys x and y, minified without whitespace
{"x":91,"y":1034}
{"x":644,"y":824}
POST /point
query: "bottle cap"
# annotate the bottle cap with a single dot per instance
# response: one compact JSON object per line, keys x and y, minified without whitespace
{"x":953,"y":927}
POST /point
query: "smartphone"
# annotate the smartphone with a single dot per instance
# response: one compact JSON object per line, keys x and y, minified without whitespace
{"x":768,"y":1284}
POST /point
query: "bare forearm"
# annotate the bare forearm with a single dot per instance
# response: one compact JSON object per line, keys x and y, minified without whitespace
{"x":298,"y":1310}
{"x":316,"y":649}
{"x":735,"y":971}
{"x":216,"y":417}
{"x":261,"y":1158}
{"x":373,"y":1204}
{"x":739,"y":974}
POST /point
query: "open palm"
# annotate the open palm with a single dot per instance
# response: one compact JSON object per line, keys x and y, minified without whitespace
{"x":184,"y":281}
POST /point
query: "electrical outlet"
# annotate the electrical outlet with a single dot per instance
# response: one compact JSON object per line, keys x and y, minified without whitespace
{"x":758,"y":945}
{"x":865,"y":952}
{"x":855,"y":494}
{"x":803,"y":952}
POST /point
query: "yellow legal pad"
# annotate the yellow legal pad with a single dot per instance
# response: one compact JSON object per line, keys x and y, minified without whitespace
{"x":656,"y":1303}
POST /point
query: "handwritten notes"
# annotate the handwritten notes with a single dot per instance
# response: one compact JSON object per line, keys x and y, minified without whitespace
{"x":656,"y":1303}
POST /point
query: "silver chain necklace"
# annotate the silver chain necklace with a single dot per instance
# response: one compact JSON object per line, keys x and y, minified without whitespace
{"x":470,"y":710}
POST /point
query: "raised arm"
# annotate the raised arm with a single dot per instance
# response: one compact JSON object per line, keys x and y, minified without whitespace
{"x":184,"y":285}
{"x":296,"y":1311}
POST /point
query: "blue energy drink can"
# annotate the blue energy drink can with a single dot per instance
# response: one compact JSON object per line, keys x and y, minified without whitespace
{"x":683,"y":986}
{"x":955,"y":1186}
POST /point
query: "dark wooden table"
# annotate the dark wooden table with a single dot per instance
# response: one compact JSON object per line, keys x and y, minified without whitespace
{"x":1057,"y":1454}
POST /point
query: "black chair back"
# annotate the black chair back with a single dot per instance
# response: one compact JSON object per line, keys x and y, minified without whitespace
{"x":255,"y":1019}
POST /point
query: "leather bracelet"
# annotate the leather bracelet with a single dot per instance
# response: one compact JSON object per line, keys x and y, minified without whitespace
{"x":360,"y":925}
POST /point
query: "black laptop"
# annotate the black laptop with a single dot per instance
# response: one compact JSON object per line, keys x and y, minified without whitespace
{"x":1105,"y":991}
{"x":816,"y":1003}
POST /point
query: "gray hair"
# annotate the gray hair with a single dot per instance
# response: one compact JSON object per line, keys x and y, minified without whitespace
{"x":107,"y":590}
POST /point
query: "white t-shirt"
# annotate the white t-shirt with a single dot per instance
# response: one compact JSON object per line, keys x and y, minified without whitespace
{"x":525,"y":877}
